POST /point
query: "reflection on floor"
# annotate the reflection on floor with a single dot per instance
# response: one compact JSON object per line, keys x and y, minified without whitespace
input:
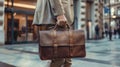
{"x":5,"y":65}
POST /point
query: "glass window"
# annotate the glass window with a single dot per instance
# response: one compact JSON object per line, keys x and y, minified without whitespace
{"x":20,"y":29}
{"x":119,"y":12}
{"x":105,"y":1}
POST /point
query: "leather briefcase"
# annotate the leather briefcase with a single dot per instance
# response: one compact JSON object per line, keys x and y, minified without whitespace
{"x":61,"y":44}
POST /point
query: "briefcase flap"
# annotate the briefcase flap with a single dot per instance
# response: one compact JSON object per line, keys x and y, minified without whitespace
{"x":62,"y":38}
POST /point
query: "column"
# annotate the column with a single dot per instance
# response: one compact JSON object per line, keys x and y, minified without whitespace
{"x":2,"y":37}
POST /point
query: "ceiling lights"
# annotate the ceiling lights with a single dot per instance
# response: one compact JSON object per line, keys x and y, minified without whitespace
{"x":21,"y":5}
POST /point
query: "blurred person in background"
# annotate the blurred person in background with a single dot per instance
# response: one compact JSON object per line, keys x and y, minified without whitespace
{"x":118,"y":30}
{"x":97,"y":31}
{"x":110,"y":33}
{"x":106,"y":29}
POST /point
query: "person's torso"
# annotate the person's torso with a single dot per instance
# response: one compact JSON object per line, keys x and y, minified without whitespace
{"x":43,"y":12}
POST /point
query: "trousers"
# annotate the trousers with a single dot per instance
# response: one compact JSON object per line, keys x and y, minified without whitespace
{"x":65,"y":62}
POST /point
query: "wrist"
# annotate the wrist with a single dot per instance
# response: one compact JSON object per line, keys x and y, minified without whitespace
{"x":61,"y":17}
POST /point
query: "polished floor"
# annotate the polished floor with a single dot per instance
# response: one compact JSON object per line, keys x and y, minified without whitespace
{"x":100,"y":53}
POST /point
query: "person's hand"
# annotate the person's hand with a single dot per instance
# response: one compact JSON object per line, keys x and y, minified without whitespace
{"x":61,"y":20}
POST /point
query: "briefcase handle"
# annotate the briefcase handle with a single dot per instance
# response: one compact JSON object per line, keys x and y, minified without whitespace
{"x":66,"y":26}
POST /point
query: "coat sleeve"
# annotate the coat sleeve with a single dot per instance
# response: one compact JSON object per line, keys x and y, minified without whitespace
{"x":58,"y":7}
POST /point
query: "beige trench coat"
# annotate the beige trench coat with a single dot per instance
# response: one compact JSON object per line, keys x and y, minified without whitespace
{"x":44,"y":15}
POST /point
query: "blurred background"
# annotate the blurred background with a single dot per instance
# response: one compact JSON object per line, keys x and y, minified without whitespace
{"x":16,"y":18}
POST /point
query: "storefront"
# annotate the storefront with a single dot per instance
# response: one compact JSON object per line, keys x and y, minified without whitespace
{"x":18,"y":23}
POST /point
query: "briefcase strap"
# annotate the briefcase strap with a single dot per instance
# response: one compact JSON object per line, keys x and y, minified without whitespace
{"x":71,"y":37}
{"x":66,"y":27}
{"x":55,"y":44}
{"x":71,"y":41}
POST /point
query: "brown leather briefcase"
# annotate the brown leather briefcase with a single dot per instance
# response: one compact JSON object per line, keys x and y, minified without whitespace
{"x":61,"y":44}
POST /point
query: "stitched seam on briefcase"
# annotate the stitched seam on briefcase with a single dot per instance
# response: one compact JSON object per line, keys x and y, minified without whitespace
{"x":55,"y":45}
{"x":71,"y":41}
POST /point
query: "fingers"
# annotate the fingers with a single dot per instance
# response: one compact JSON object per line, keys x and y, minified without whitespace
{"x":61,"y":17}
{"x":61,"y":23}
{"x":61,"y":20}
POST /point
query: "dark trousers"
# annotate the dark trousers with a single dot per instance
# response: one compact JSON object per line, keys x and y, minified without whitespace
{"x":119,"y":35}
{"x":110,"y":35}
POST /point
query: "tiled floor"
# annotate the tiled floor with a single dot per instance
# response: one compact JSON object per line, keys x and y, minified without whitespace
{"x":100,"y":53}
